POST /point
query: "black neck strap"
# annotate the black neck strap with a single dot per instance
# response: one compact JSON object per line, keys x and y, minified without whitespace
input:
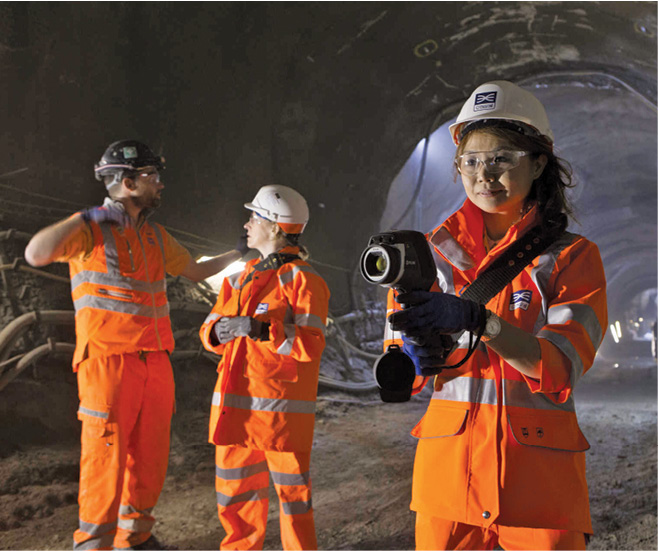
{"x":507,"y":266}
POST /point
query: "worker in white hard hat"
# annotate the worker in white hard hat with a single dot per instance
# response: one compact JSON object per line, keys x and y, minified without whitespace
{"x":268,"y":325}
{"x":500,"y":460}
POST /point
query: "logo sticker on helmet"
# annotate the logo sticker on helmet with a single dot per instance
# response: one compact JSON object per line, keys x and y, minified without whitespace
{"x":130,"y":152}
{"x":485,"y":101}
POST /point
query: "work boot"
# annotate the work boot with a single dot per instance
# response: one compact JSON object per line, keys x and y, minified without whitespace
{"x":151,"y":544}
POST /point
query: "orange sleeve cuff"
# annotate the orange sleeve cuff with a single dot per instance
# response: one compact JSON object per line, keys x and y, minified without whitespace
{"x":555,"y":373}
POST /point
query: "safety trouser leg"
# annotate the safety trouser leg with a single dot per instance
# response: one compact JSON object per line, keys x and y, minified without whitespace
{"x":108,"y":411}
{"x":241,"y":484}
{"x":148,"y":453}
{"x":291,"y":476}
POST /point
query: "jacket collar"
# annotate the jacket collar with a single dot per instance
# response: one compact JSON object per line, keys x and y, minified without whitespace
{"x":118,"y":205}
{"x":460,"y":239}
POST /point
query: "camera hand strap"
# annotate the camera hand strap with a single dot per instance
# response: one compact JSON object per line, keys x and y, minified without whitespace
{"x":500,"y":273}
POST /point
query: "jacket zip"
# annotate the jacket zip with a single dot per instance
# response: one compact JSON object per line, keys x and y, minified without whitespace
{"x":114,"y":294}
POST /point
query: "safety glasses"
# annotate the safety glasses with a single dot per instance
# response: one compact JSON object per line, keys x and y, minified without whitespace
{"x":494,"y":162}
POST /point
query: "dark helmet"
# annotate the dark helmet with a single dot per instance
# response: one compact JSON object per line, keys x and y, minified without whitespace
{"x":127,"y":155}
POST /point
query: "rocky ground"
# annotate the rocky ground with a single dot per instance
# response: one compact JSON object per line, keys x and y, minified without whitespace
{"x":362,"y":462}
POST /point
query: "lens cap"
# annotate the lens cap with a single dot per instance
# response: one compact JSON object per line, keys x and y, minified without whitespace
{"x":394,"y":374}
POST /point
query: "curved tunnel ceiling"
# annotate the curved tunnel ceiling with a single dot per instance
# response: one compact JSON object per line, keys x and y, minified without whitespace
{"x":330,"y":98}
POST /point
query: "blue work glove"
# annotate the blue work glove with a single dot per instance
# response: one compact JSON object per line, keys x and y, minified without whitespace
{"x":429,"y":355}
{"x":106,"y":213}
{"x":427,"y":313}
{"x":226,"y":329}
{"x":241,"y":245}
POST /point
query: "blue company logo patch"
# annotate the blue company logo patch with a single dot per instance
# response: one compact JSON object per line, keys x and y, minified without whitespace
{"x":485,"y":101}
{"x":262,"y":308}
{"x":520,"y":299}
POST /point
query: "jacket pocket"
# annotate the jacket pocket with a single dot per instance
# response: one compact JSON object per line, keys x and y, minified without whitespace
{"x":556,"y":432}
{"x":284,"y":369}
{"x":441,"y":422}
{"x":95,"y":420}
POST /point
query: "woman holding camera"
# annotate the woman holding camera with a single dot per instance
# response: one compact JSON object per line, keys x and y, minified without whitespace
{"x":500,"y":458}
{"x":268,"y":325}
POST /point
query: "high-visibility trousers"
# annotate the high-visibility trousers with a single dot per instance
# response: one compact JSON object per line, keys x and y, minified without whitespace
{"x":242,"y":483}
{"x":126,"y":404}
{"x":435,"y":533}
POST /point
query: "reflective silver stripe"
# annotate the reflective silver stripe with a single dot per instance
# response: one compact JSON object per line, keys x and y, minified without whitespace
{"x":94,"y":413}
{"x":285,"y":348}
{"x":541,"y":274}
{"x":117,"y":280}
{"x":216,"y":398}
{"x":444,"y":274}
{"x":130,"y":510}
{"x":287,"y":479}
{"x":110,"y":248}
{"x":239,"y":473}
{"x":252,"y":495}
{"x":114,"y":305}
{"x":158,"y":236}
{"x":389,"y":334}
{"x":98,"y":529}
{"x":296,"y":507}
{"x":233,"y":280}
{"x":517,"y":394}
{"x":583,"y":314}
{"x":211,"y":318}
{"x":269,"y":404}
{"x":483,"y":391}
{"x":287,"y":277}
{"x":105,"y":540}
{"x":464,"y":342}
{"x":309,"y":320}
{"x":468,"y":389}
{"x":139,"y":525}
{"x":568,"y":349}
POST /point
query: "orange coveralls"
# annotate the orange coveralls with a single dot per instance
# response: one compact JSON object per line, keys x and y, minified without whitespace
{"x":125,"y":379}
{"x":496,"y":448}
{"x":263,"y":408}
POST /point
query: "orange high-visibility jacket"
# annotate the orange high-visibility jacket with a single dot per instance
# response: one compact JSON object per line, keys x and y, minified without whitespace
{"x":494,"y":445}
{"x":266,"y":390}
{"x":119,"y":289}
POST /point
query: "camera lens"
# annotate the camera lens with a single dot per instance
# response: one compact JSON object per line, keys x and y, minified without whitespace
{"x":378,"y":264}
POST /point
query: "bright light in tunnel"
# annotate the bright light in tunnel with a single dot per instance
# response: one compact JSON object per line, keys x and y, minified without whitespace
{"x":216,"y":281}
{"x":615,"y":336}
{"x":618,"y":326}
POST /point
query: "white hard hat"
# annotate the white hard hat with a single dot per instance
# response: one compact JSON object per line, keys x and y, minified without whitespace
{"x":500,"y":100}
{"x":283,"y":205}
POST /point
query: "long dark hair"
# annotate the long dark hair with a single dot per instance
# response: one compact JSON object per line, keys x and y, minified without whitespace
{"x":549,"y":190}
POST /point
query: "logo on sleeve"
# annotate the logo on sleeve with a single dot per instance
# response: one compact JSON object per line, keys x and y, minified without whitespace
{"x":262,"y":308}
{"x":520,"y":299}
{"x":485,"y":101}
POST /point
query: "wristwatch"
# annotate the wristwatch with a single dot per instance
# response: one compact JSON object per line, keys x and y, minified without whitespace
{"x":492,"y":327}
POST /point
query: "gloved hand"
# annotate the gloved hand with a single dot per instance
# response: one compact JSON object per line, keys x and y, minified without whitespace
{"x":226,"y":329}
{"x":241,"y":245}
{"x":107,"y":213}
{"x":428,"y":354}
{"x":427,"y":313}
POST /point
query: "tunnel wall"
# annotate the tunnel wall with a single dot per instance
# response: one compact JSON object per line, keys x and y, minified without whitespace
{"x":330,"y":98}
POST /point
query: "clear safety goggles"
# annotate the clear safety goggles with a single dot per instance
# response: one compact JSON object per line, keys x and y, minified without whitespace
{"x":494,"y":162}
{"x":256,"y":218}
{"x":151,"y":176}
